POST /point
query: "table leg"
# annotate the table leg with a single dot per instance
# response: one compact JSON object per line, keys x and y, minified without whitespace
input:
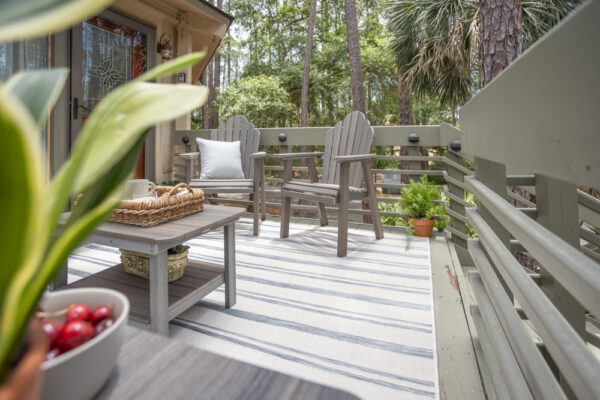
{"x":159,"y":294}
{"x":229,"y":265}
{"x":61,"y":279}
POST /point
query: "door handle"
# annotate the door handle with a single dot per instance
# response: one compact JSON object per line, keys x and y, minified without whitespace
{"x":75,"y":107}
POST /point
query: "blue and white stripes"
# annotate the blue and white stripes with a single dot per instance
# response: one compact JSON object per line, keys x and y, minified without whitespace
{"x":363,"y":323}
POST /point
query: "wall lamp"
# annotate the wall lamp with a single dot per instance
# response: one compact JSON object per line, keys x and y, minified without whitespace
{"x":164,"y":46}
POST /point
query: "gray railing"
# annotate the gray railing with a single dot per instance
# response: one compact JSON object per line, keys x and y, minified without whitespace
{"x":536,"y":326}
{"x":413,"y":165}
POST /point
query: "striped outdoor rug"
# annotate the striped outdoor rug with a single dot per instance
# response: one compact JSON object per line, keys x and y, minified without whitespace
{"x":363,"y":323}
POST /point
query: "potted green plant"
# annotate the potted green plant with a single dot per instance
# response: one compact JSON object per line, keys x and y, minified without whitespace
{"x":100,"y":162}
{"x":422,"y":202}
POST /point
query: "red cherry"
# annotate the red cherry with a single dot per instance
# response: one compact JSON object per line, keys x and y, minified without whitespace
{"x":100,"y":313}
{"x":74,"y":334}
{"x":78,"y":311}
{"x":52,"y":354}
{"x":53,"y":330}
{"x":103,"y":325}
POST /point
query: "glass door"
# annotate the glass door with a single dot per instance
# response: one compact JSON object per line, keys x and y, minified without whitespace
{"x":107,"y":51}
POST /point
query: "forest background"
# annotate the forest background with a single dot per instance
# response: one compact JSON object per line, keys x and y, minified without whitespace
{"x":420,"y":59}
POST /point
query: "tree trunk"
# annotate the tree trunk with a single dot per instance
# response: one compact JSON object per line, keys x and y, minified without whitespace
{"x":405,"y":117}
{"x":205,"y":105}
{"x":307,"y":58}
{"x":228,"y":58}
{"x":211,"y":94}
{"x":356,"y":75}
{"x":216,"y":81}
{"x":501,"y":35}
{"x":403,"y":100}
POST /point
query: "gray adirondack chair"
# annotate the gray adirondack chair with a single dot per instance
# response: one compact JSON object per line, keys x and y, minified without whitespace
{"x":234,"y":129}
{"x":346,"y":176}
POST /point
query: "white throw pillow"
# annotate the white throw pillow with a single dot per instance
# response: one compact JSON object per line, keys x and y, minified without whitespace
{"x":220,"y":160}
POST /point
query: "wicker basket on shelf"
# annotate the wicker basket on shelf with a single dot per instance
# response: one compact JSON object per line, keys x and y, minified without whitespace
{"x":139,"y":264}
{"x":169,"y":205}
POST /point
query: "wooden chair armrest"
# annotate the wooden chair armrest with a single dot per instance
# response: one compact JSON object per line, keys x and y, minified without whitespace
{"x":296,"y":156}
{"x":354,"y":158}
{"x":260,"y":154}
{"x":189,"y":156}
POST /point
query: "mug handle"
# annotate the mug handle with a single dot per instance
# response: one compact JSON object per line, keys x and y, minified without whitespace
{"x":153,"y":187}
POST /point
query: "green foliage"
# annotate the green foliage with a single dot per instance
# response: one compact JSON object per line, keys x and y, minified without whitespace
{"x":27,"y":19}
{"x":34,"y":245}
{"x":420,"y":200}
{"x":437,"y":43}
{"x":260,"y":98}
{"x":178,"y":249}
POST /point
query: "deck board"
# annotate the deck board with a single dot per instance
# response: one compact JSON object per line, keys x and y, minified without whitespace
{"x":458,"y":370}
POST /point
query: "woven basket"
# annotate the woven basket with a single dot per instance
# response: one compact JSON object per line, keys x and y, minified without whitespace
{"x":139,"y":264}
{"x":166,"y":207}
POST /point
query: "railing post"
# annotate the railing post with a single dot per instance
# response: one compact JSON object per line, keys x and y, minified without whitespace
{"x":414,"y":151}
{"x":557,"y":210}
{"x":493,"y":175}
{"x":460,"y":241}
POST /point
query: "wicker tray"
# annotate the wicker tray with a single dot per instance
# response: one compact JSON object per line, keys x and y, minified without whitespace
{"x":166,"y":207}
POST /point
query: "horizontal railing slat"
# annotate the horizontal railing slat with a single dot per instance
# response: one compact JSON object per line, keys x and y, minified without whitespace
{"x":457,"y":166}
{"x":589,"y":236}
{"x":576,"y":272}
{"x":520,"y":180}
{"x":452,"y":180}
{"x":499,"y":389}
{"x":520,"y":199}
{"x":588,"y":201}
{"x":579,"y":366}
{"x":509,"y":365}
{"x":432,"y":172}
{"x":534,"y":367}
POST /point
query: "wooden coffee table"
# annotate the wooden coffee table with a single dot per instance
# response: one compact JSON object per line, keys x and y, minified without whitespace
{"x":155,"y":302}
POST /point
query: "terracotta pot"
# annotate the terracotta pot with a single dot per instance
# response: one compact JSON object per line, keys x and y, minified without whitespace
{"x":25,"y":381}
{"x":422,"y":227}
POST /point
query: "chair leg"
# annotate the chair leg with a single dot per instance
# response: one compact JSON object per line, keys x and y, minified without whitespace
{"x":342,"y":248}
{"x":322,"y":214}
{"x":255,"y":210}
{"x":263,"y":196}
{"x":376,"y":220}
{"x":372,"y":199}
{"x":286,"y":208}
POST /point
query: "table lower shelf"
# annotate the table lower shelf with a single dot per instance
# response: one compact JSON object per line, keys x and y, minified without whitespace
{"x":199,"y":279}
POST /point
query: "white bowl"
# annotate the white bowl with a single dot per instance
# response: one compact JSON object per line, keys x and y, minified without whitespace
{"x":80,"y":373}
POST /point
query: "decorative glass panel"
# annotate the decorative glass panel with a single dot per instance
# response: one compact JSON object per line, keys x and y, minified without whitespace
{"x":112,"y":55}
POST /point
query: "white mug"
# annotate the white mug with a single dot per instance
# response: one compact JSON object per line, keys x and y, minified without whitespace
{"x":135,"y":188}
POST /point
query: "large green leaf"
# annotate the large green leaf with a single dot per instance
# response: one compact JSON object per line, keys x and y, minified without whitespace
{"x":108,"y":183}
{"x":130,"y":111}
{"x":22,"y":180}
{"x":171,"y":67}
{"x":93,"y":207}
{"x":38,"y":90}
{"x":115,"y":126}
{"x":21,"y":201}
{"x":21,"y":19}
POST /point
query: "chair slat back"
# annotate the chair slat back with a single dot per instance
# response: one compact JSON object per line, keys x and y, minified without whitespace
{"x":239,"y":128}
{"x":352,"y":136}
